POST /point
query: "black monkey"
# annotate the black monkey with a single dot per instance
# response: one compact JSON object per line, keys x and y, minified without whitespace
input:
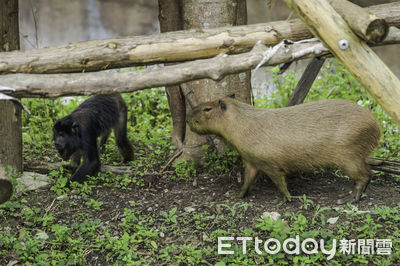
{"x":76,"y":134}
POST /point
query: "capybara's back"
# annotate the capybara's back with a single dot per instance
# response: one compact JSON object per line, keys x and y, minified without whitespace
{"x":318,"y":134}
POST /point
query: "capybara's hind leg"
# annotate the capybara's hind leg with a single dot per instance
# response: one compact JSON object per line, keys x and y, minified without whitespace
{"x":361,"y":175}
{"x":250,"y":173}
{"x":278,"y":177}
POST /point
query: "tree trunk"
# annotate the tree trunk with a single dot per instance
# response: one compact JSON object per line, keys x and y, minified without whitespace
{"x":170,"y":18}
{"x":10,"y":113}
{"x":199,"y":14}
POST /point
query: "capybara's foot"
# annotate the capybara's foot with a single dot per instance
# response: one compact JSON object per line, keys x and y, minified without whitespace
{"x":241,"y":194}
{"x":282,"y":200}
{"x":348,"y":199}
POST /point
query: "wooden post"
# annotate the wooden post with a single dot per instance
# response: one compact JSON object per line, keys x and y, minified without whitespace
{"x":325,"y":23}
{"x":10,"y":113}
{"x":306,"y":81}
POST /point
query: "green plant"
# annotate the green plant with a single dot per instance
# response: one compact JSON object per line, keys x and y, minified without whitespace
{"x":220,"y":163}
{"x":306,"y":203}
{"x":60,"y":180}
{"x":94,"y":204}
{"x":234,"y":210}
{"x":170,"y":217}
{"x":184,"y":169}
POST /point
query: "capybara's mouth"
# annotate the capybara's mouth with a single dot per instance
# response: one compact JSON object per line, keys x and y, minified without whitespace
{"x":195,"y":127}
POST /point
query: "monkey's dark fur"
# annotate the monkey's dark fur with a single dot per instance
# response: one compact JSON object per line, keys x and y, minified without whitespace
{"x":76,"y":134}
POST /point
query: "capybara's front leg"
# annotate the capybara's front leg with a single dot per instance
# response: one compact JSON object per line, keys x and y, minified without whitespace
{"x":250,"y":173}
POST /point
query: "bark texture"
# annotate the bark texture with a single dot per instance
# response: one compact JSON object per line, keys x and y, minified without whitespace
{"x":205,"y":14}
{"x":40,"y":85}
{"x":170,"y":17}
{"x":366,"y":25}
{"x":10,"y":113}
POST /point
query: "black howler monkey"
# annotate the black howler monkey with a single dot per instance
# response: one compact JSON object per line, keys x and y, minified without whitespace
{"x":76,"y":134}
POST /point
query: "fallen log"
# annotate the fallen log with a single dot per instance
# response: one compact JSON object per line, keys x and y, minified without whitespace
{"x":388,"y":166}
{"x":377,"y":164}
{"x":47,"y":167}
{"x":166,"y":47}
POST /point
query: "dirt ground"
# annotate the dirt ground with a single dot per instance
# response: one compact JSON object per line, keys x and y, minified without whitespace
{"x":205,"y":193}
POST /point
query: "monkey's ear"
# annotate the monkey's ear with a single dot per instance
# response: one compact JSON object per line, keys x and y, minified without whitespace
{"x":75,"y":128}
{"x":222,"y":104}
{"x":232,"y":95}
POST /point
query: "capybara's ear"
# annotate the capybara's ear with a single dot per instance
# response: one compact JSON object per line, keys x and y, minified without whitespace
{"x":232,"y":95}
{"x":222,"y":104}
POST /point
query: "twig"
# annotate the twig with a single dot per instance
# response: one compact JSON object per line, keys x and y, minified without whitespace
{"x":176,"y":155}
{"x":51,"y":206}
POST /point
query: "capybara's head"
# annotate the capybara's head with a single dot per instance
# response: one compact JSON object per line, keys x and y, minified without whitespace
{"x":206,"y":118}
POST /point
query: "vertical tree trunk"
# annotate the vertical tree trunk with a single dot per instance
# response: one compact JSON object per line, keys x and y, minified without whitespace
{"x":211,"y":14}
{"x":170,"y":18}
{"x":10,"y":113}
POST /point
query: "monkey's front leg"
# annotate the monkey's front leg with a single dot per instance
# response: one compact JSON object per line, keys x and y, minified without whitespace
{"x":91,"y":162}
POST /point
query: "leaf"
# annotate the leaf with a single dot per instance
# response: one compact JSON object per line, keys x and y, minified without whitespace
{"x":332,"y":220}
{"x":154,"y":244}
{"x":42,"y":236}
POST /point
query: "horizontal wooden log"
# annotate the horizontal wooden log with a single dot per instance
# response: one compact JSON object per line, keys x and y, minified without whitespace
{"x":376,"y":164}
{"x":166,"y":47}
{"x":323,"y":21}
{"x":366,"y":25}
{"x":47,"y":167}
{"x":57,"y":85}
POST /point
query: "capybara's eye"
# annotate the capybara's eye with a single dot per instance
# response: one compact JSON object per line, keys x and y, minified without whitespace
{"x":207,"y":109}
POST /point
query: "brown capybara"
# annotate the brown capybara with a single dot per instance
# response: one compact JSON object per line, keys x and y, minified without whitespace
{"x":321,"y":134}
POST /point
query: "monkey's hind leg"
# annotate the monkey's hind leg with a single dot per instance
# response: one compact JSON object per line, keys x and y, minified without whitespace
{"x":124,"y":146}
{"x":103,"y":140}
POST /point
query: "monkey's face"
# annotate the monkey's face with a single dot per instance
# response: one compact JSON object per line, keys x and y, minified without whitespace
{"x":66,"y":137}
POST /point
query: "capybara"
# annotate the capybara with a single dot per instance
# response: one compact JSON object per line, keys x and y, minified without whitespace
{"x":321,"y":134}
